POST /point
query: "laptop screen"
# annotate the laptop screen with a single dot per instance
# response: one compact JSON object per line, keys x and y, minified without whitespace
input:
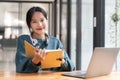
{"x":101,"y":63}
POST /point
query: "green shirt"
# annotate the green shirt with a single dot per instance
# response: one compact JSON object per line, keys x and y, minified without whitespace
{"x":24,"y":64}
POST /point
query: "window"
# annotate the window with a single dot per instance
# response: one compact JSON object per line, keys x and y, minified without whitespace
{"x":112,"y":26}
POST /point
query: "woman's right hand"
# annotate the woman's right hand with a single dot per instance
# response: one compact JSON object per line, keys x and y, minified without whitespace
{"x":38,"y":56}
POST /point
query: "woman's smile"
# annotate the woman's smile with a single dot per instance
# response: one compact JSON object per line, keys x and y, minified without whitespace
{"x":39,"y":28}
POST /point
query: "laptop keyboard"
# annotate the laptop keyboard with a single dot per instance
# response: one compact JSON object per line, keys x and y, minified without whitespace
{"x":77,"y":74}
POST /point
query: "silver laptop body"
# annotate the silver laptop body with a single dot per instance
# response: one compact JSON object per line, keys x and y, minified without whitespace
{"x":101,"y":63}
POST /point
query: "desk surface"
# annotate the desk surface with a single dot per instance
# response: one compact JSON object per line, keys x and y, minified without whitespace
{"x":48,"y":75}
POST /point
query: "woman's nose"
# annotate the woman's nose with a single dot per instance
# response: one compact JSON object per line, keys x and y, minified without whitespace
{"x":40,"y":23}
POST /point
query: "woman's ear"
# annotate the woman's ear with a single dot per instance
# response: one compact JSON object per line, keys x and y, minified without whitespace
{"x":46,"y":29}
{"x":31,"y":30}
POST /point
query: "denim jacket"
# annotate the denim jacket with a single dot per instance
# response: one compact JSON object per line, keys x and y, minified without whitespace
{"x":25,"y":65}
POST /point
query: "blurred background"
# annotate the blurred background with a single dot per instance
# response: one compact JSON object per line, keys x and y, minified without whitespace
{"x":81,"y":25}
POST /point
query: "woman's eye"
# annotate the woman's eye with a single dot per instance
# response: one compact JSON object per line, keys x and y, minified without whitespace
{"x":42,"y":20}
{"x":34,"y":22}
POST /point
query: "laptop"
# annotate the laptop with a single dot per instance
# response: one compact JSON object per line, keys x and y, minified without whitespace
{"x":101,"y":63}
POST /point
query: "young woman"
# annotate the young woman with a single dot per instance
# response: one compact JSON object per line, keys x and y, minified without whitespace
{"x":36,"y":19}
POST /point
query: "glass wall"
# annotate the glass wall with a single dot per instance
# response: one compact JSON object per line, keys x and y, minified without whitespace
{"x":9,"y":19}
{"x":64,"y":23}
{"x":9,"y":24}
{"x":12,"y":25}
{"x":13,"y":21}
{"x":112,"y":26}
{"x":73,"y":31}
{"x":87,"y":33}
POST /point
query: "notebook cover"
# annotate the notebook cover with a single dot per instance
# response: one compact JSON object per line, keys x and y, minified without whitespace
{"x":52,"y":56}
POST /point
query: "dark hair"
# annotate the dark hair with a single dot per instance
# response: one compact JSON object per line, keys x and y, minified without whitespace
{"x":30,"y":13}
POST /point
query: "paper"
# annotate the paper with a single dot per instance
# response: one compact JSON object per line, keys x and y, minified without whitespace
{"x":52,"y":56}
{"x":52,"y":59}
{"x":29,"y":49}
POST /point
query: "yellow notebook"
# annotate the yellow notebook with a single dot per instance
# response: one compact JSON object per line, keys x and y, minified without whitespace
{"x":52,"y":56}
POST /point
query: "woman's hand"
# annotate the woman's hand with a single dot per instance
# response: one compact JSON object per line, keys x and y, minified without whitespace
{"x":38,"y":56}
{"x":62,"y":61}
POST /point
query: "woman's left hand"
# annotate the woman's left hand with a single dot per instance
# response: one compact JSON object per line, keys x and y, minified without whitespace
{"x":62,"y":61}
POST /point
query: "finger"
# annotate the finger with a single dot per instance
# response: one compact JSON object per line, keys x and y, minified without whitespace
{"x":39,"y":53}
{"x":63,"y":61}
{"x":59,"y":49}
{"x":37,"y":47}
{"x":35,"y":53}
{"x":36,"y":50}
{"x":44,"y":54}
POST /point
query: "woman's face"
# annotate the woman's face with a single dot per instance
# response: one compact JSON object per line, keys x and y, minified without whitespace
{"x":38,"y":23}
